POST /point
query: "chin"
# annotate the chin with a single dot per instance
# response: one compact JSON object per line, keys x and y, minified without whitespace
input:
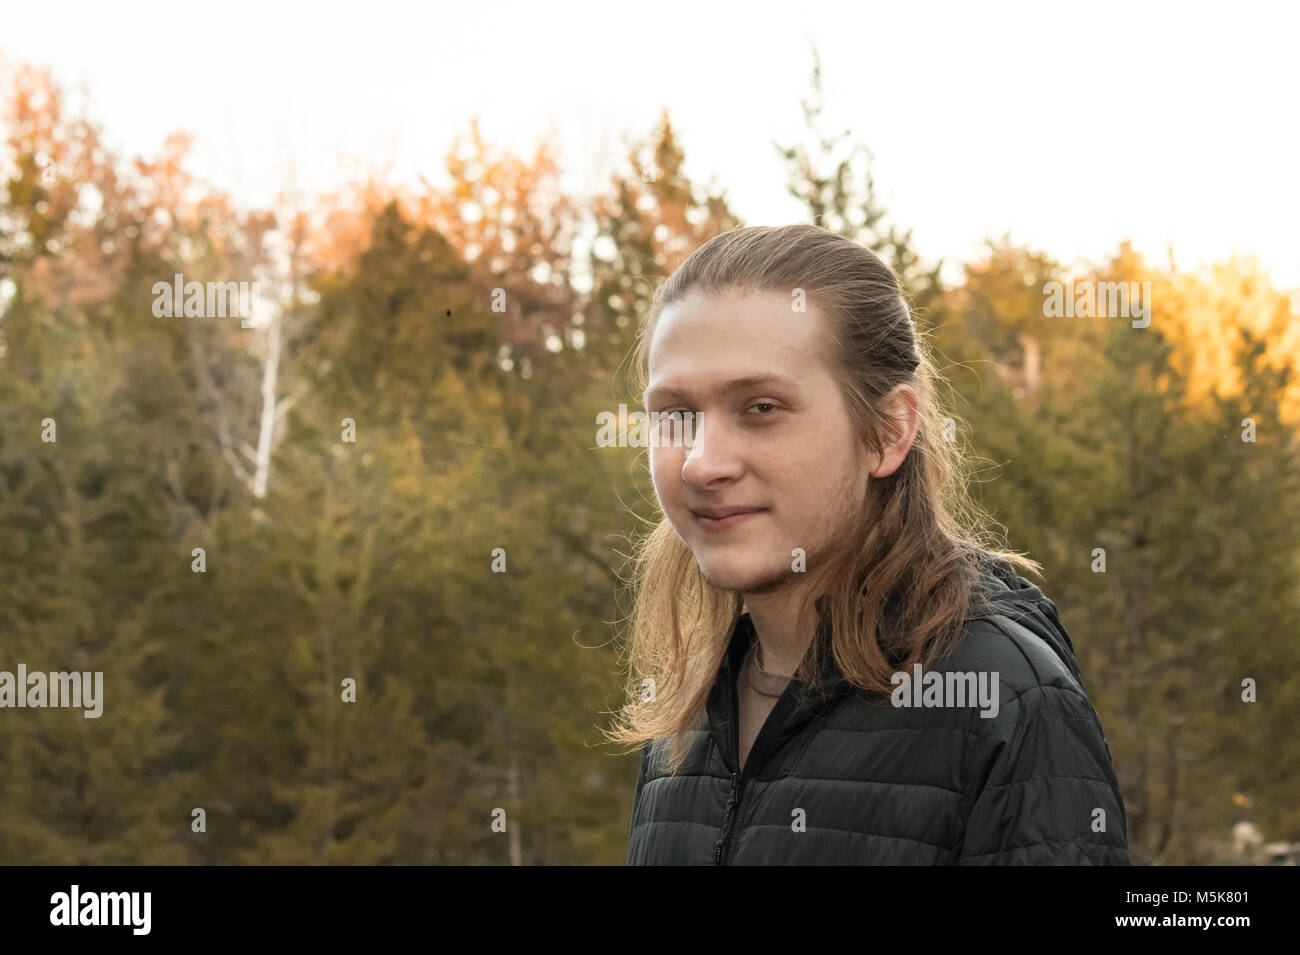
{"x":726,"y":574}
{"x":739,"y":578}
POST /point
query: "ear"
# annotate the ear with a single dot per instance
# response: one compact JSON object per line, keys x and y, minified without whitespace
{"x":903,"y":406}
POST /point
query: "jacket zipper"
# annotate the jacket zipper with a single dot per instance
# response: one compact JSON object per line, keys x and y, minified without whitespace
{"x":772,"y":724}
{"x":737,"y":777}
{"x":733,"y":802}
{"x":758,"y":753}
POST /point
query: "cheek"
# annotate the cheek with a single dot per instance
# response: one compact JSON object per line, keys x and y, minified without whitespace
{"x":823,"y":479}
{"x":665,"y":473}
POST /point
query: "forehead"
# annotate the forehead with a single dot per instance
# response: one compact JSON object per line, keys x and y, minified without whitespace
{"x":714,"y":334}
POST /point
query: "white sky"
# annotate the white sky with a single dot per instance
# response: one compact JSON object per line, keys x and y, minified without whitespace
{"x":1070,"y":127}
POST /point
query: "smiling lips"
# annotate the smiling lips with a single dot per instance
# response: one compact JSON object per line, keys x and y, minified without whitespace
{"x":721,"y":518}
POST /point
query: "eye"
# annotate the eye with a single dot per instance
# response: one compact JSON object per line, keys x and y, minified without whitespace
{"x":764,"y":404}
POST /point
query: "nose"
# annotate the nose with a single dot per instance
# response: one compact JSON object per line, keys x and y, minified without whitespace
{"x":714,"y":453}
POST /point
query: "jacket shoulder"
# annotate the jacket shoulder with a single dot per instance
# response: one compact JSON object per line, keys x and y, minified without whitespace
{"x":1043,"y":789}
{"x":1022,"y":659}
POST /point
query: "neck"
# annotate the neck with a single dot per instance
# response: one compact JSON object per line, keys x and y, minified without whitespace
{"x":783,"y":637}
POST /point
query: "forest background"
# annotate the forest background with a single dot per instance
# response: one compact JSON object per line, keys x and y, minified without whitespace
{"x":388,"y":473}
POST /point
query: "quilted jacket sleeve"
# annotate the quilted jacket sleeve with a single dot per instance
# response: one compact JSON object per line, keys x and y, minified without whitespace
{"x":1043,"y":787}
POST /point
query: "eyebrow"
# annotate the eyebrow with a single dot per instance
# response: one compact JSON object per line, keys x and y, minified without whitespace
{"x":663,"y":392}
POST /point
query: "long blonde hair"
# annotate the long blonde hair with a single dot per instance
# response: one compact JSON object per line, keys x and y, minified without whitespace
{"x":900,"y":583}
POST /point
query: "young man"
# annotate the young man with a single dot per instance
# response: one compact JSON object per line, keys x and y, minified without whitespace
{"x":827,"y":666}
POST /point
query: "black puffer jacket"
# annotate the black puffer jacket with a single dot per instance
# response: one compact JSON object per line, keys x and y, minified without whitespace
{"x":843,"y":778}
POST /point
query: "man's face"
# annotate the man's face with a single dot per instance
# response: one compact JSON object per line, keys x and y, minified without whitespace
{"x":773,"y":437}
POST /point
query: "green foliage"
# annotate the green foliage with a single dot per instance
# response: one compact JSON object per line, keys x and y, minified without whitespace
{"x":372,"y":560}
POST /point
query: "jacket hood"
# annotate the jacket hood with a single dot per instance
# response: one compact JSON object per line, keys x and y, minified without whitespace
{"x":1009,"y":595}
{"x":1000,"y":592}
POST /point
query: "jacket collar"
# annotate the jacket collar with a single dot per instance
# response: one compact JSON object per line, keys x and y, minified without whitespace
{"x":797,"y":706}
